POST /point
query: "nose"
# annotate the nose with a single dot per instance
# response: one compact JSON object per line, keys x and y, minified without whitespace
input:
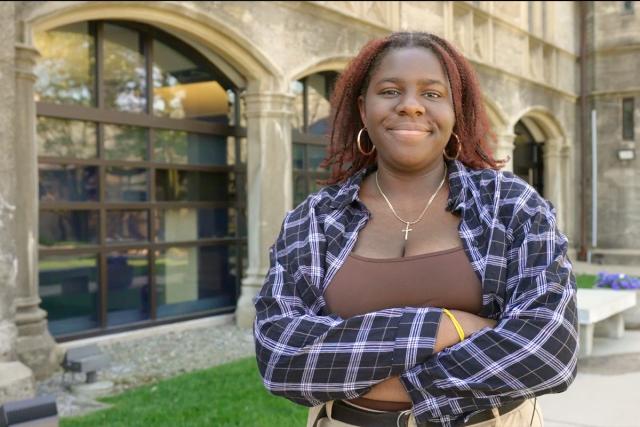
{"x":410,"y":105}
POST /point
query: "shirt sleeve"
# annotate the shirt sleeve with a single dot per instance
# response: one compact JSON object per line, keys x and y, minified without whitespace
{"x":533,"y":348}
{"x":311,"y":358}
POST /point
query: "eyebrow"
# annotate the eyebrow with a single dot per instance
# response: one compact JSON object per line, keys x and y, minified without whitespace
{"x":422,"y":82}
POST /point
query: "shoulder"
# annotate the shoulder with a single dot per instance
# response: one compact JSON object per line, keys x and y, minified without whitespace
{"x":515,"y":200}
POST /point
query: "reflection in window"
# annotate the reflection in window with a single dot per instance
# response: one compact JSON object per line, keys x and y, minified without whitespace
{"x":67,"y":228}
{"x":183,"y":89}
{"x":125,"y":142}
{"x":69,"y":292}
{"x":312,"y":102}
{"x":173,"y":146}
{"x":68,"y":183}
{"x":66,"y":138}
{"x":127,"y":226}
{"x":126,"y":184}
{"x":124,"y":69}
{"x":184,"y":224}
{"x":179,"y":185}
{"x":66,"y":68}
{"x":128,"y":284}
{"x":191,"y":279}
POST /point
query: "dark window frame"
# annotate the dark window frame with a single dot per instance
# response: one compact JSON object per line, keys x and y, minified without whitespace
{"x":102,"y":116}
{"x":628,"y":122}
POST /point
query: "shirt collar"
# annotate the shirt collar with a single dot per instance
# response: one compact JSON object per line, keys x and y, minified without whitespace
{"x":348,"y":192}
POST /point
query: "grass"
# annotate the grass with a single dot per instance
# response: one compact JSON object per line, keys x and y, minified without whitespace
{"x":223,"y":396}
{"x":585,"y":280}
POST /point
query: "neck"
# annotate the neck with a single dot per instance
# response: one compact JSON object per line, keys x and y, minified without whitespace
{"x":403,"y":186}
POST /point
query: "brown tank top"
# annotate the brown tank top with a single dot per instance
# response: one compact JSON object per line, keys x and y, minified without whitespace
{"x":437,"y":279}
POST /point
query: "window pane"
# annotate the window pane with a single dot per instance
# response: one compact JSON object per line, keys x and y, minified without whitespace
{"x":298,"y":156}
{"x":174,"y":225}
{"x":68,"y":183}
{"x":66,"y":138}
{"x":318,"y":99}
{"x":128,"y":292}
{"x":316,"y":153}
{"x":300,"y":190}
{"x":126,"y":184}
{"x":66,"y":228}
{"x":173,"y":146}
{"x":627,"y":119}
{"x":69,"y":292}
{"x":125,"y":142}
{"x":186,"y":88}
{"x":66,"y":67}
{"x":124,"y":69}
{"x":177,"y":185}
{"x":127,"y":226}
{"x":193,"y":279}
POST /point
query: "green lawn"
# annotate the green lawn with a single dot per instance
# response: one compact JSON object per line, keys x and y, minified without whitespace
{"x":227,"y":395}
{"x":585,"y":280}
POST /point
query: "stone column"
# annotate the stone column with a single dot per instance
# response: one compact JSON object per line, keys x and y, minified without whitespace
{"x":34,"y":345}
{"x":554,"y":176}
{"x":269,"y":187}
{"x":504,"y":149}
{"x":16,"y":379}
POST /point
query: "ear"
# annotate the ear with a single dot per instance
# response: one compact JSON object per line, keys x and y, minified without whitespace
{"x":361,"y":109}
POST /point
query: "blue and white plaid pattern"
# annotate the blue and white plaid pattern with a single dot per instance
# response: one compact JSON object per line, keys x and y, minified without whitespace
{"x":509,"y":234}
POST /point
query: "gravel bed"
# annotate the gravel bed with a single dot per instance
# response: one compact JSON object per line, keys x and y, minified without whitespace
{"x":136,"y":362}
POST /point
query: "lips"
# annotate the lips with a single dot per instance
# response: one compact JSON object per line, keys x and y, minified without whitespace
{"x":409,"y":128}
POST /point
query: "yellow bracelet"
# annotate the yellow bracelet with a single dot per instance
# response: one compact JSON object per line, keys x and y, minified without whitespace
{"x":455,"y":322}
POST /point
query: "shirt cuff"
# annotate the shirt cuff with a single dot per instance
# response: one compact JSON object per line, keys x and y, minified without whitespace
{"x":415,"y":337}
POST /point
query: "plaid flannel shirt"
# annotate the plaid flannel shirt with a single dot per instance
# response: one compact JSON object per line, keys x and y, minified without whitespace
{"x":510,"y":236}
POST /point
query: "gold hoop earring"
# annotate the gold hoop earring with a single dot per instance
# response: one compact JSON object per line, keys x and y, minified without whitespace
{"x":458,"y":144}
{"x":364,"y":153}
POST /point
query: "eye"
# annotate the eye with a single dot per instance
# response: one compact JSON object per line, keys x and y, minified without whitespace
{"x":390,"y":92}
{"x":432,"y":94}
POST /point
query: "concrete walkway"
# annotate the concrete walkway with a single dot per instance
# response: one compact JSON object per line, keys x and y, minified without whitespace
{"x":606,"y":392}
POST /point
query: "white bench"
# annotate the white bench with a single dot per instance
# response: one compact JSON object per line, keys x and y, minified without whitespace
{"x":600,"y":314}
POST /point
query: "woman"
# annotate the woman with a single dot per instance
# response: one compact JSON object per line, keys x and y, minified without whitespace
{"x":423,"y":287}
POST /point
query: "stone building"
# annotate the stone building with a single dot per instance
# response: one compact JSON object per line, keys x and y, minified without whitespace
{"x":149,"y":150}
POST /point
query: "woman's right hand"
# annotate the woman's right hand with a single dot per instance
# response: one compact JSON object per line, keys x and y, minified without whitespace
{"x":471,"y":323}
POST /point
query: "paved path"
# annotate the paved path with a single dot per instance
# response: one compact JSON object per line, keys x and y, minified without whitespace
{"x":606,"y":392}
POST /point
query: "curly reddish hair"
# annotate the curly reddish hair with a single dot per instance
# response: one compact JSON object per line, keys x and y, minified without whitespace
{"x":471,"y":124}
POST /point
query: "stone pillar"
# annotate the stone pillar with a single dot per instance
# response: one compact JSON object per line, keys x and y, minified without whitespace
{"x":34,"y":346}
{"x":504,"y":149}
{"x":16,"y":379}
{"x":269,"y":187}
{"x":554,"y":177}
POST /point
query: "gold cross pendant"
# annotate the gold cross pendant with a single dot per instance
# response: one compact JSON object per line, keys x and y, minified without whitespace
{"x":406,"y":231}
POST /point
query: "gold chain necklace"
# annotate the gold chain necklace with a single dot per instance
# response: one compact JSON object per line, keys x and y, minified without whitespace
{"x":406,"y":229}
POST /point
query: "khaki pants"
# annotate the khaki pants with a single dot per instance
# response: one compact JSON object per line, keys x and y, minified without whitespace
{"x":523,"y":416}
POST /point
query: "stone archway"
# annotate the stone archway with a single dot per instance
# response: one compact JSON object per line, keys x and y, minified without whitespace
{"x":556,"y":165}
{"x":503,"y":148}
{"x":267,"y":112}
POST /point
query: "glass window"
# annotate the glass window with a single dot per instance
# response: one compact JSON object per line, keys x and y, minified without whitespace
{"x":69,"y":292}
{"x":68,"y":183}
{"x":124,"y":69}
{"x":191,"y":279}
{"x":127,"y":226}
{"x":628,"y":124}
{"x":125,"y":184}
{"x":65,"y":70}
{"x":125,"y":142}
{"x":66,"y":138}
{"x":143,"y":172}
{"x":68,"y":228}
{"x":184,"y":224}
{"x":185,"y":89}
{"x":128,"y":283}
{"x":180,"y":185}
{"x":181,"y":147}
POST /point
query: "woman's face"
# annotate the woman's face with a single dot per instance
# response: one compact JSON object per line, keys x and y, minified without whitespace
{"x":408,"y":110}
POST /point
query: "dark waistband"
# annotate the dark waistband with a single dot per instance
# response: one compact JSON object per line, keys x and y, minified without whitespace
{"x":349,"y":414}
